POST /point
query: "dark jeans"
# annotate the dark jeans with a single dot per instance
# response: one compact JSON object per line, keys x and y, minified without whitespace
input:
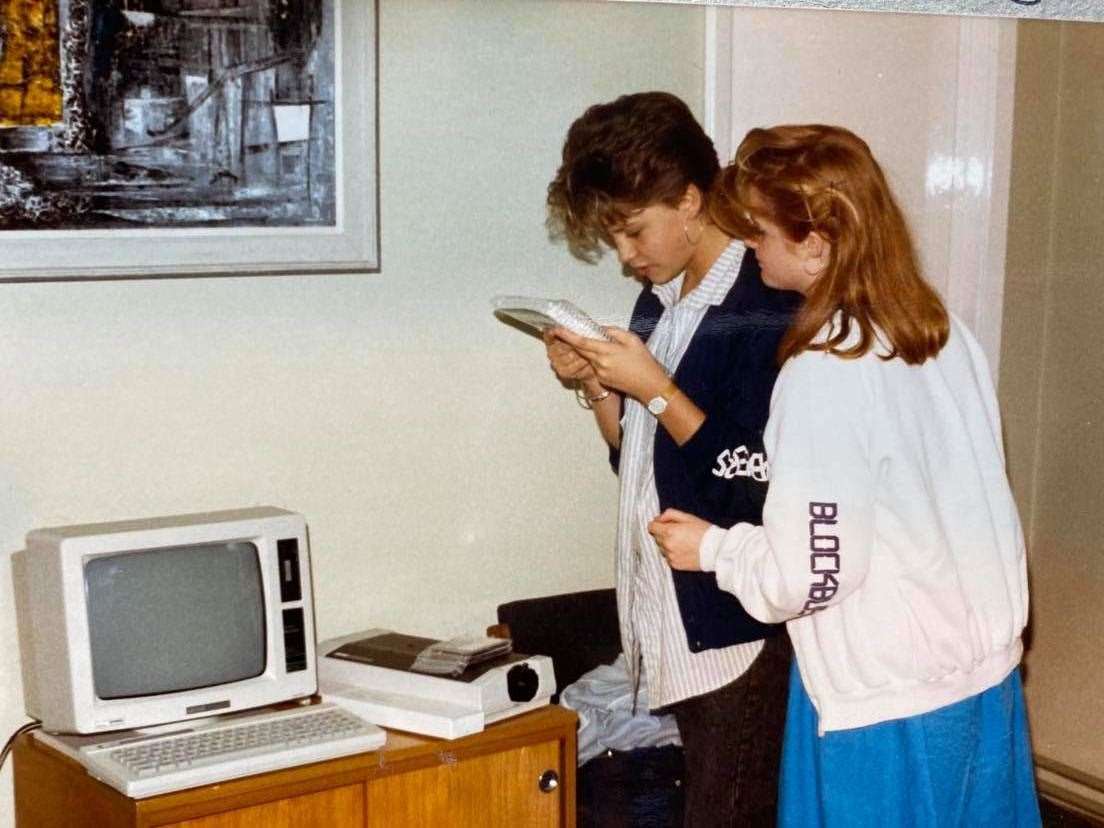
{"x":732,"y":739}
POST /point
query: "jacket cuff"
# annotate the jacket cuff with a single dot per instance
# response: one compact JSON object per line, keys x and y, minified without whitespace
{"x":709,"y":547}
{"x":699,"y":452}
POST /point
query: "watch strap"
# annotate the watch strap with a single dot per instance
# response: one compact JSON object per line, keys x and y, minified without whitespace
{"x":669,"y":390}
{"x":658,"y":404}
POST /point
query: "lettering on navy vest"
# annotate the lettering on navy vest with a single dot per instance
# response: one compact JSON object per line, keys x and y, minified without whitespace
{"x":739,"y":462}
{"x":824,"y":555}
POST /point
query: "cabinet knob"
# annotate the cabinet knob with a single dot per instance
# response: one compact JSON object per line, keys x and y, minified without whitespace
{"x":549,"y":781}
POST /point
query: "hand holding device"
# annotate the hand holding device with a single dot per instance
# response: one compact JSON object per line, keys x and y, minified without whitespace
{"x":567,"y":363}
{"x":623,"y":362}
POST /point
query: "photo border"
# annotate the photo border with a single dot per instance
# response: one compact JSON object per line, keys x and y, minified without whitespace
{"x":1076,"y":10}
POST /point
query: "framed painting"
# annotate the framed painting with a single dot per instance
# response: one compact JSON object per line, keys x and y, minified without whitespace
{"x":152,"y":138}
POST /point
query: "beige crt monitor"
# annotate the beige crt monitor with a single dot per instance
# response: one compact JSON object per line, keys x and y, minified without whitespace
{"x":145,"y":622}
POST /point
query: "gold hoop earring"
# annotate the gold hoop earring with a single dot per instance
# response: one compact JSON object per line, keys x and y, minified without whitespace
{"x":686,"y":232}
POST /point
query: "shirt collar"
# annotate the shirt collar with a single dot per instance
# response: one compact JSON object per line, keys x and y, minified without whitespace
{"x":713,"y":288}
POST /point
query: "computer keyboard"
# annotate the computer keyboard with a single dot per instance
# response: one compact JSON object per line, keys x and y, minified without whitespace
{"x":141,"y":766}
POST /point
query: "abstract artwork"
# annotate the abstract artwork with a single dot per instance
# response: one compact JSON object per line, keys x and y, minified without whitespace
{"x":198,"y":125}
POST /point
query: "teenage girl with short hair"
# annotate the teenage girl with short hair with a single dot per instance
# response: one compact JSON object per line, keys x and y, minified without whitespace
{"x":681,"y":398}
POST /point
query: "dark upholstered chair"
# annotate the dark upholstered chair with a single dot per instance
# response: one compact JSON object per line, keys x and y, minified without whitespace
{"x":639,"y":788}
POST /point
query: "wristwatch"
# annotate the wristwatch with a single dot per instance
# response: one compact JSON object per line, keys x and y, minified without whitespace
{"x":657,"y":405}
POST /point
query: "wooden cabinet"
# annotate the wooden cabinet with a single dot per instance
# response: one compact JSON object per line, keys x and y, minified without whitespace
{"x":480,"y":791}
{"x":493,"y":778}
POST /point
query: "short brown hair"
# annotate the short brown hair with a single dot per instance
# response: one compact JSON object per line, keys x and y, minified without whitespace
{"x":638,"y":150}
{"x":825,"y":179}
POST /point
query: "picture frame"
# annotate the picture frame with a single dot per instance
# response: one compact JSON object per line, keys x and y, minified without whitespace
{"x":294,"y":221}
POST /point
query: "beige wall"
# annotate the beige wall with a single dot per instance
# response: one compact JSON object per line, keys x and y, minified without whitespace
{"x":441,"y":469}
{"x":1051,"y":380}
{"x":810,"y":66}
{"x":931,"y":94}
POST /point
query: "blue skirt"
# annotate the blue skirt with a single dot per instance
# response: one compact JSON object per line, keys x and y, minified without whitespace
{"x":966,"y":764}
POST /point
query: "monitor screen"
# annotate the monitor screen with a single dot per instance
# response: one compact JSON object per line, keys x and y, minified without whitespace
{"x":173,"y":619}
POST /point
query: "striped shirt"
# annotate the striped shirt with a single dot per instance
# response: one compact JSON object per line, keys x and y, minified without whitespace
{"x":651,"y":625}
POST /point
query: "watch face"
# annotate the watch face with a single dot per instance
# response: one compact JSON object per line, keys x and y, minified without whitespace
{"x":657,"y":405}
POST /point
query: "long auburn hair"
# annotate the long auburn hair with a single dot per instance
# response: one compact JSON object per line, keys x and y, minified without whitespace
{"x":824,"y":179}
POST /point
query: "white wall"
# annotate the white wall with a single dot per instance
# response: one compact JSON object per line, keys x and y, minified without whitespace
{"x":440,"y":467}
{"x":932,"y":95}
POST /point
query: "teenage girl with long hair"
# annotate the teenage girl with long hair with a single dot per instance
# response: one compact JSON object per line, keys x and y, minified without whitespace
{"x":890,"y":543}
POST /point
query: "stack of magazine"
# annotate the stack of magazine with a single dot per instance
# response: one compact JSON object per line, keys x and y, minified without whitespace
{"x":454,"y":656}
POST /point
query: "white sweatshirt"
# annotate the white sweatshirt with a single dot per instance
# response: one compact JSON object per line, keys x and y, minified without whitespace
{"x":890,"y":541}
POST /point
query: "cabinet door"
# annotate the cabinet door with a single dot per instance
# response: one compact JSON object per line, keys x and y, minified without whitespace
{"x":333,"y":808}
{"x":499,"y":789}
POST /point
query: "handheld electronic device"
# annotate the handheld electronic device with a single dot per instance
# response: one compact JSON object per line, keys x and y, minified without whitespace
{"x":542,"y":314}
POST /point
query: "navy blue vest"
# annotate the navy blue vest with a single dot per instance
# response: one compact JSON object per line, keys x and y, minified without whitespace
{"x":728,"y":370}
